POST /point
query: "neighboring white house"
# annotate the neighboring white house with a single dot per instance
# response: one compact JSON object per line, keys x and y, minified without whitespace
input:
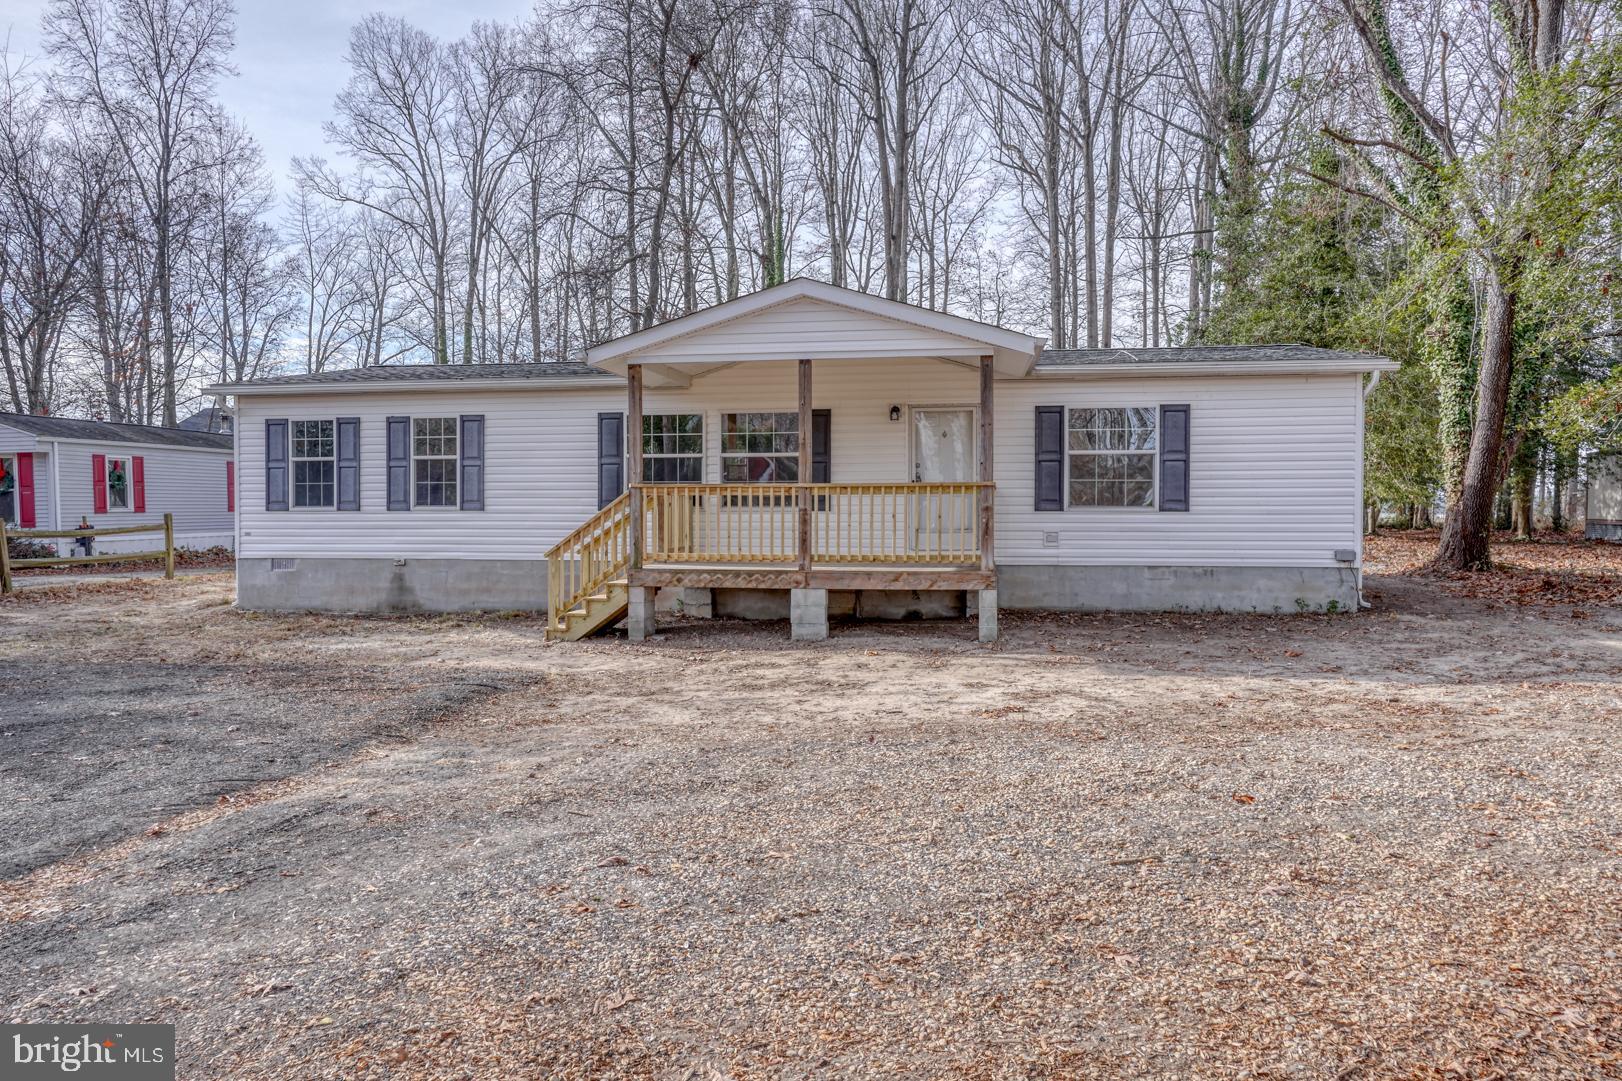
{"x":58,"y":470}
{"x":948,"y":461}
{"x":1603,"y":510}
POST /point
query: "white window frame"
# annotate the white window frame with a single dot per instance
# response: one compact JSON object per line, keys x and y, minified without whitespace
{"x":793,"y":455}
{"x":1152,"y":452}
{"x":693,"y":456}
{"x":454,"y":457}
{"x":129,"y":484}
{"x":8,"y":467}
{"x":294,"y":458}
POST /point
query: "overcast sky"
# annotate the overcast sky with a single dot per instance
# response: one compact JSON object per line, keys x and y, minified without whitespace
{"x":290,"y":59}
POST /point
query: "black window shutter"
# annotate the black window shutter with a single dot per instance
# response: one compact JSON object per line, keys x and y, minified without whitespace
{"x":276,"y":464}
{"x":471,"y":449}
{"x":349,"y":463}
{"x":821,"y":446}
{"x":399,"y":463}
{"x":1050,"y":457}
{"x":1174,"y":457}
{"x":610,"y":457}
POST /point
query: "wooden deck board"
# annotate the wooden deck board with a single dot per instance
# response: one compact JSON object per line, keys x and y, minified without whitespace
{"x":710,"y":576}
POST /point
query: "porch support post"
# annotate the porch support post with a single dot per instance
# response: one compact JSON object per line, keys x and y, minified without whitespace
{"x":988,"y":498}
{"x":639,"y":617}
{"x":633,"y":462}
{"x":805,"y":470}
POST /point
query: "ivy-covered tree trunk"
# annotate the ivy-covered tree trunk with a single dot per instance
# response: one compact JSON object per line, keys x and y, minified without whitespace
{"x":1467,"y":531}
{"x":1449,"y":353}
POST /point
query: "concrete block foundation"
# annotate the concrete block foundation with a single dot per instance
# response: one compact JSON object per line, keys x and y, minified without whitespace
{"x":301,"y":584}
{"x":690,"y":601}
{"x":987,"y":603}
{"x":808,"y":614}
{"x":845,"y":603}
{"x":639,"y":615}
{"x":341,"y":585}
{"x":1179,"y":589}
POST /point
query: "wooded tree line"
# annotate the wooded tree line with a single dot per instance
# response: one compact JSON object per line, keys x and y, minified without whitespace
{"x":1437,"y":182}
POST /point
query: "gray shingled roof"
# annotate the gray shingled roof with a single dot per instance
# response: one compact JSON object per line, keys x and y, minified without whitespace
{"x":431,"y":373}
{"x":208,"y":419}
{"x":1196,"y":354}
{"x":102,"y":431}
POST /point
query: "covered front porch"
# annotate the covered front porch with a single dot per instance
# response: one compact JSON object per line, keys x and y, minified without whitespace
{"x":907,"y":503}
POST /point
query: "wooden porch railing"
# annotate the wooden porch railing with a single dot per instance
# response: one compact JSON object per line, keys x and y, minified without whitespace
{"x":589,"y":558}
{"x":878,"y":524}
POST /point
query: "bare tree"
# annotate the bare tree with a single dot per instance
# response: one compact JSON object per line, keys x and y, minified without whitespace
{"x":832,"y":134}
{"x":52,"y":187}
{"x":148,"y":67}
{"x":1230,"y":55}
{"x":393,"y":119}
{"x":906,"y":54}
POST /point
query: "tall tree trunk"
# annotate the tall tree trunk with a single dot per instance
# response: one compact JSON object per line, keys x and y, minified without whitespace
{"x":1467,"y":532}
{"x":1558,"y":482}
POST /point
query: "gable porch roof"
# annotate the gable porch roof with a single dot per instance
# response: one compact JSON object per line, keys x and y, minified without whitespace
{"x":804,"y":319}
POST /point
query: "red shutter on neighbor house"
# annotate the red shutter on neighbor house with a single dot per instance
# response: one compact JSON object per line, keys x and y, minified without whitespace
{"x":25,"y":491}
{"x":98,"y":481}
{"x":230,"y":487}
{"x":138,"y":483}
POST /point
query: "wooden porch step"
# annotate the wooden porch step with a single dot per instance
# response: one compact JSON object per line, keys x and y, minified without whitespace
{"x":595,"y":614}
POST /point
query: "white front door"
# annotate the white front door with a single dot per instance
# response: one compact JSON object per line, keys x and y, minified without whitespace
{"x":942,"y":445}
{"x":942,"y":453}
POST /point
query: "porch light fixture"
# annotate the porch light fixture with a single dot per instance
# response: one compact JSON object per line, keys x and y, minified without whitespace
{"x":895,"y":413}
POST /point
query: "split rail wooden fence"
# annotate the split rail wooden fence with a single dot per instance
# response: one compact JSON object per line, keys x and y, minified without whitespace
{"x":166,"y":553}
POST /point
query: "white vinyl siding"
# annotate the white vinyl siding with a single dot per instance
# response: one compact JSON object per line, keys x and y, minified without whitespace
{"x":540,"y":476}
{"x":865,"y":445}
{"x":540,"y":451}
{"x":1604,"y":502}
{"x":1274,"y":462}
{"x":188,"y":483}
{"x":1274,"y":474}
{"x":822,"y":328}
{"x":13,"y":440}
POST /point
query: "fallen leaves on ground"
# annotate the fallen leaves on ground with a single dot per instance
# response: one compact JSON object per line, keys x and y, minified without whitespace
{"x":1550,"y":569}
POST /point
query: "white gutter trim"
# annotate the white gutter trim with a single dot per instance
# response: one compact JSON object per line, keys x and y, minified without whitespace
{"x":1087,"y":371}
{"x":1374,"y":381}
{"x":133,"y":443}
{"x":56,"y":486}
{"x":572,"y":383}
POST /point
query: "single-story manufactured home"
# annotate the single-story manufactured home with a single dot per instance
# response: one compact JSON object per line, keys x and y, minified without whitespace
{"x":56,"y":471}
{"x":804,"y":451}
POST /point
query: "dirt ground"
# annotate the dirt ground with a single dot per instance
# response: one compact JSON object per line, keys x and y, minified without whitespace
{"x":1386,"y":845}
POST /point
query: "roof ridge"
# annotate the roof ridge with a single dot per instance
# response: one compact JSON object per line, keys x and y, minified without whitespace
{"x":98,"y":420}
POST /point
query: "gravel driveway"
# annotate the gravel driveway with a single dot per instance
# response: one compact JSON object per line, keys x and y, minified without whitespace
{"x":1387,"y":845}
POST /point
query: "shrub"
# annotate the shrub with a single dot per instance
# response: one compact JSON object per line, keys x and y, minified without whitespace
{"x":19,"y":548}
